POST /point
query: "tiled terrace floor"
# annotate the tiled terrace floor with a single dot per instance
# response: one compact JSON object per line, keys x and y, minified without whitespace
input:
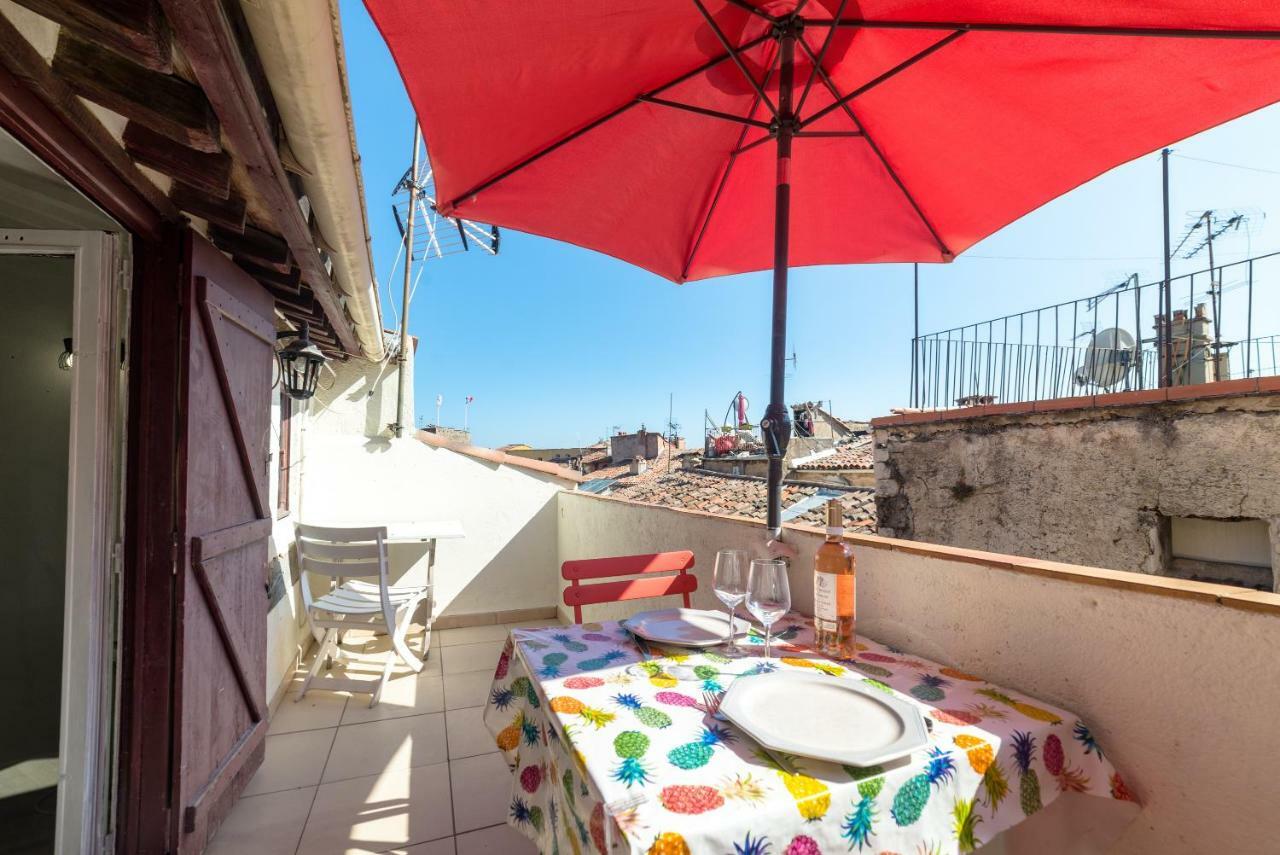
{"x":418,"y":774}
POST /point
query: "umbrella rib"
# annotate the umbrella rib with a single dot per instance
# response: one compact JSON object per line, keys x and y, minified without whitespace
{"x":893,"y":72}
{"x":705,"y":111}
{"x":745,"y":148}
{"x":590,"y":126}
{"x":820,"y":59}
{"x":862,"y":131}
{"x":724,"y":177}
{"x":1054,"y":29}
{"x":747,"y":7}
{"x":737,"y":60}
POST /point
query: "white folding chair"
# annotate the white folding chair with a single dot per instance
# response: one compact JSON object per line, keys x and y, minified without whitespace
{"x":343,"y":555}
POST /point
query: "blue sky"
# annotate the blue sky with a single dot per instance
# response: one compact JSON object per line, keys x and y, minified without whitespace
{"x":559,"y":344}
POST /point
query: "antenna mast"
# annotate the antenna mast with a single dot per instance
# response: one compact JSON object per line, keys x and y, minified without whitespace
{"x":402,"y":357}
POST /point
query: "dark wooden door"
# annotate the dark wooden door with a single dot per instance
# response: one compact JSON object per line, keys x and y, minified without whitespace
{"x":220,"y":715}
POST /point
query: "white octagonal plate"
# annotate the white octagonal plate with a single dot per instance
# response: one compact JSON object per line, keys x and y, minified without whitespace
{"x":826,"y":718}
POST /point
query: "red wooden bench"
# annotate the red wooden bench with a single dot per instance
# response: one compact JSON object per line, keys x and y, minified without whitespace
{"x":579,"y":595}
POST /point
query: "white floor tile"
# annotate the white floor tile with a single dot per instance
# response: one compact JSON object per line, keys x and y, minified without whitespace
{"x":269,"y":824}
{"x":471,"y":635}
{"x":319,"y":709}
{"x":395,"y":809}
{"x":404,"y":694}
{"x":532,"y":624}
{"x":468,"y":735}
{"x":397,"y":743}
{"x":468,"y":689}
{"x":292,"y":760}
{"x":481,"y":791}
{"x":495,"y":840}
{"x":368,"y":656}
{"x":471,"y":657}
{"x":443,"y":846}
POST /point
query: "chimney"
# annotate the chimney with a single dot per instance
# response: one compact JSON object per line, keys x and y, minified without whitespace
{"x":639,"y":465}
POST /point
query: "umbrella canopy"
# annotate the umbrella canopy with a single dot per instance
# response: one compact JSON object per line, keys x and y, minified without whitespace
{"x":678,"y":134}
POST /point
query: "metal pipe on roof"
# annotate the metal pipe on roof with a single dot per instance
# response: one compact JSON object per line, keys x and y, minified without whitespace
{"x":299,"y":43}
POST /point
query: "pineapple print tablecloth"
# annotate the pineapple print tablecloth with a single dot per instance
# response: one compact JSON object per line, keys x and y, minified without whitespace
{"x":587,"y":741}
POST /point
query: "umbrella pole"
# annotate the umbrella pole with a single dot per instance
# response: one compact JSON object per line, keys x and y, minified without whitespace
{"x":777,"y":422}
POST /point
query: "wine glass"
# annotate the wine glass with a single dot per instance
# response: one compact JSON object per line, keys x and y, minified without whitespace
{"x":768,"y":594}
{"x":731,"y":588}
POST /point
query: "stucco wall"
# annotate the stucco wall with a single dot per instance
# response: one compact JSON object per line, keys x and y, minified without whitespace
{"x":286,"y":625}
{"x":349,"y":471}
{"x":506,"y":560}
{"x":358,"y":397}
{"x":1174,"y":677}
{"x":1085,"y":486}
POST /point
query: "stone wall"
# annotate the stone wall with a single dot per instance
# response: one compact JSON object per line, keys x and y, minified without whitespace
{"x":1091,"y":482}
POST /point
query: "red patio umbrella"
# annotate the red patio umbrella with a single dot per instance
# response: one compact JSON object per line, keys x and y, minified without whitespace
{"x":676,"y":134}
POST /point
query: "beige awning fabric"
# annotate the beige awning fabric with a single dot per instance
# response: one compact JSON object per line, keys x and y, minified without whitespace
{"x":300,"y":45}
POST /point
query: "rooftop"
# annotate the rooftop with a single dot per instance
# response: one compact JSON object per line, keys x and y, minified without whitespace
{"x":741,"y":496}
{"x":850,"y":455}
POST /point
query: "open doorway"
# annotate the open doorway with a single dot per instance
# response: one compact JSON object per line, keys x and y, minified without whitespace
{"x":38,"y":295}
{"x":61,"y":372}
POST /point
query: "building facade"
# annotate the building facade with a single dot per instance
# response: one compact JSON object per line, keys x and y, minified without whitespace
{"x":1182,"y":482}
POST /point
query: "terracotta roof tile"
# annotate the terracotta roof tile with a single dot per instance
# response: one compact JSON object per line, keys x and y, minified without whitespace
{"x":730,"y":495}
{"x":850,"y":455}
{"x":657,"y":466}
{"x":495,"y":456}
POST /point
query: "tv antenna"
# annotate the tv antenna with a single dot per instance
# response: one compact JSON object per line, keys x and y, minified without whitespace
{"x":428,"y":233}
{"x":791,"y":359}
{"x":1211,"y":225}
{"x":673,"y":427}
{"x":414,"y":196}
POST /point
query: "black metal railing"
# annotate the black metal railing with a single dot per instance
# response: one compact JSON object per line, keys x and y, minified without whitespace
{"x":1108,"y":342}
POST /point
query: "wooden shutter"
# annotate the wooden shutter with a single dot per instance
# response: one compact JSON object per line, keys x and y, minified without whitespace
{"x":223,"y":528}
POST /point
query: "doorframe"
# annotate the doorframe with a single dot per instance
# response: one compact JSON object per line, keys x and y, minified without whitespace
{"x":87,"y":729}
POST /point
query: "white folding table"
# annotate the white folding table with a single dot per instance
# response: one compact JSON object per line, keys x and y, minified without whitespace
{"x":427,"y":532}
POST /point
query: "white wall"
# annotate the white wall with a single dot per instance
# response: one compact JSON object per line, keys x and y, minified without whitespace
{"x":355,"y":399}
{"x":37,"y":294}
{"x":352,"y":472}
{"x":507,"y":559}
{"x":1177,"y":679}
{"x":286,"y":625}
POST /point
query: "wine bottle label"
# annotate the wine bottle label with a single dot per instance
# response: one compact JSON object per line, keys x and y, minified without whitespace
{"x":832,"y":596}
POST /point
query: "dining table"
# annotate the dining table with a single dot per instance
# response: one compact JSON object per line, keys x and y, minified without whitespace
{"x":611,"y":752}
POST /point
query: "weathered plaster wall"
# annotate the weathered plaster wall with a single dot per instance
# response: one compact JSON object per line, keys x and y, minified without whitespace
{"x":1171,"y":675}
{"x":1084,"y":486}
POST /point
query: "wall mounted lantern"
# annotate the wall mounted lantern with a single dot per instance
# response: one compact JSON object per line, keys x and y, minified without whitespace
{"x":66,"y":359}
{"x":300,"y":362}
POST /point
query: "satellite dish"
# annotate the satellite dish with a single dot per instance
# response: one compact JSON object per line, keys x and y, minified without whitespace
{"x":1108,"y":359}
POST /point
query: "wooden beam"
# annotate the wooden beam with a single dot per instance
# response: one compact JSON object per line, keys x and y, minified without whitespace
{"x":290,"y":282}
{"x":202,"y":31}
{"x":209,"y":172}
{"x":290,"y":301}
{"x":167,"y":104}
{"x":43,"y":112}
{"x":227,"y":213}
{"x":315,"y":318}
{"x":253,"y":244}
{"x":133,"y":28}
